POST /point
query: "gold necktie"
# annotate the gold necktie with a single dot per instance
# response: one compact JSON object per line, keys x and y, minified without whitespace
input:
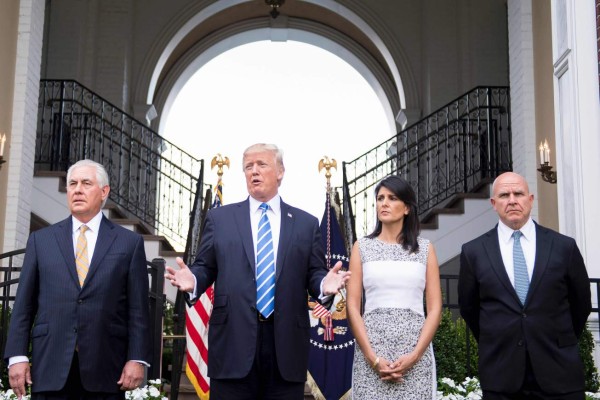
{"x":81,"y":256}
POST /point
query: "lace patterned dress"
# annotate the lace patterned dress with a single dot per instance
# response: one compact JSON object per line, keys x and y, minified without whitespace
{"x":394,"y":284}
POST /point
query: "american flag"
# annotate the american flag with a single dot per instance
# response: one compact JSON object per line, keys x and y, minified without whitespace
{"x":196,"y":330}
{"x":332,"y":343}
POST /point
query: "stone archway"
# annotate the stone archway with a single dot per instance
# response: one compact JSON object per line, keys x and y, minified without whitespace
{"x":210,"y":29}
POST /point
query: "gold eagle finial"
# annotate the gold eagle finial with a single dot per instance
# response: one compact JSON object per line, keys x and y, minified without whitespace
{"x":327,"y":164}
{"x":219,"y":161}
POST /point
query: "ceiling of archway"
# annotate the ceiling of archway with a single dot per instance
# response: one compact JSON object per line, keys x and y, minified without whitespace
{"x":256,"y":10}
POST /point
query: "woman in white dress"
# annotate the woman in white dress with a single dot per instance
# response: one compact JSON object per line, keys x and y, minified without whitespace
{"x":394,"y":267}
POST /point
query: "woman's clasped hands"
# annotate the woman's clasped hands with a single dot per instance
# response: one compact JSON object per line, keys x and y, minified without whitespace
{"x":394,"y":371}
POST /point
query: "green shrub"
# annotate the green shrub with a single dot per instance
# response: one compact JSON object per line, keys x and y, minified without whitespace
{"x":586,"y":350}
{"x":450,"y":349}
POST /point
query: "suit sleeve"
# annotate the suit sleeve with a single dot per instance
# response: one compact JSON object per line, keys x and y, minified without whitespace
{"x":468,"y":294}
{"x":25,"y":306}
{"x":139,"y":319}
{"x":204,"y":267}
{"x":580,"y":297}
{"x":317,"y":267}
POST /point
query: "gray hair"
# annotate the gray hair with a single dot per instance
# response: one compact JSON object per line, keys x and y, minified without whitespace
{"x":101,"y":174}
{"x":259,"y":147}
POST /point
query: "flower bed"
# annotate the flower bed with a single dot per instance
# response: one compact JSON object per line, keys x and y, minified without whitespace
{"x":149,"y":392}
{"x":470,"y":389}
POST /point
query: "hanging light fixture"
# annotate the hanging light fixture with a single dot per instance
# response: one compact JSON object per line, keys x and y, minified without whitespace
{"x":274,"y":4}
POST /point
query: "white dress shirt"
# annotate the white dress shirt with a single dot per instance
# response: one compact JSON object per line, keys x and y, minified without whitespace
{"x":528,"y":240}
{"x":274,"y":215}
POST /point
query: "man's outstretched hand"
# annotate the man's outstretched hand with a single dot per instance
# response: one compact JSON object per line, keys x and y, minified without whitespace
{"x":183,"y":279}
{"x":335,"y":279}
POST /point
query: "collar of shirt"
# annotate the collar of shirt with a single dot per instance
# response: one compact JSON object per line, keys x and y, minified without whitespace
{"x":93,"y":224}
{"x":274,"y":205}
{"x":505,"y":232}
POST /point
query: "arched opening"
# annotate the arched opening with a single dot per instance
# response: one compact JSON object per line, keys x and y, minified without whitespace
{"x":202,"y":32}
{"x":301,"y":97}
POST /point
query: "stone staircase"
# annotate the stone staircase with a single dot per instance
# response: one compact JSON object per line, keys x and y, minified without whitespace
{"x":463,"y":218}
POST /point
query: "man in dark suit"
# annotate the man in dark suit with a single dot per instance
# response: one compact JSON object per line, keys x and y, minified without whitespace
{"x":84,"y":290}
{"x":526,"y":297}
{"x":258,"y":340}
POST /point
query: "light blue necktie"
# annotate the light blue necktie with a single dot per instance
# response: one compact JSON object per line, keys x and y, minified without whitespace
{"x":265,"y":266}
{"x":521,"y":275}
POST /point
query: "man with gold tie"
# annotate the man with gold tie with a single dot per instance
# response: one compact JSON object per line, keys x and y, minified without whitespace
{"x":82,"y":302}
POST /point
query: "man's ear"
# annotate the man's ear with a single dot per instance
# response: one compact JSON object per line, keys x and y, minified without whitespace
{"x":105,"y":192}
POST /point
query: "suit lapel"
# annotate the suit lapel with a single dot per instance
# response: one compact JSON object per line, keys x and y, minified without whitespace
{"x":64,"y":238}
{"x":285,"y":235}
{"x":543,"y":247}
{"x":242,"y":219}
{"x":492,"y":248}
{"x":106,"y":236}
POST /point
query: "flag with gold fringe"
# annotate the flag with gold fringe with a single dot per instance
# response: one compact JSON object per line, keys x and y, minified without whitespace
{"x":331,"y":341}
{"x":196,"y":329}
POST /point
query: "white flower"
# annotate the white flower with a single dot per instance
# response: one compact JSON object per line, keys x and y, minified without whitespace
{"x":449,"y":382}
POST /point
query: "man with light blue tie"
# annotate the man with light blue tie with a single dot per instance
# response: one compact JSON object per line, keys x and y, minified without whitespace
{"x":524,"y":292}
{"x":262,"y":256}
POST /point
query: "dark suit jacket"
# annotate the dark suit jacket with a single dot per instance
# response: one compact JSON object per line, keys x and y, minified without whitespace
{"x":108,"y":318}
{"x":547,"y":327}
{"x":226,"y":257}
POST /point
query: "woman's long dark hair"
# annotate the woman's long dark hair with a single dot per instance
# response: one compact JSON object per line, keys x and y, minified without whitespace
{"x":411,"y":227}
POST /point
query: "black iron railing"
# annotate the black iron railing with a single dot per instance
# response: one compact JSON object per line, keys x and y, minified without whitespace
{"x":451,"y":151}
{"x":150,"y":177}
{"x":10,"y":268}
{"x":196,"y":224}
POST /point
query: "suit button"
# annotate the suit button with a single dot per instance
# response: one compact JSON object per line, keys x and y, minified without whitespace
{"x":75,"y":330}
{"x":524,"y":315}
{"x":79,"y":301}
{"x":520,"y":343}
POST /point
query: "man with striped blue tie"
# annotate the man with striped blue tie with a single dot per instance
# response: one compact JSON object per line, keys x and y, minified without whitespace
{"x":262,"y":256}
{"x":524,"y":293}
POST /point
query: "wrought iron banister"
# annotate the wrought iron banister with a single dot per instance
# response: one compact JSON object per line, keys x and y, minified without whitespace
{"x":150,"y":177}
{"x":453,"y":150}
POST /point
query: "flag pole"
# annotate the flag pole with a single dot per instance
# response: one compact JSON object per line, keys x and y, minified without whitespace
{"x":198,"y":315}
{"x":326,"y":163}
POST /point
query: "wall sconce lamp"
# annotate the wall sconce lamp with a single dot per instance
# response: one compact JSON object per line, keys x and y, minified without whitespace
{"x":2,"y":141}
{"x":545,"y":168}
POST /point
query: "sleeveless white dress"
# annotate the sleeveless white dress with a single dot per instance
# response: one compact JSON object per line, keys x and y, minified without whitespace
{"x":394,"y":284}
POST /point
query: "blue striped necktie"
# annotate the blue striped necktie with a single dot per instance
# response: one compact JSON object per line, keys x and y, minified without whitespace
{"x":265,"y":266}
{"x":521,"y":274}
